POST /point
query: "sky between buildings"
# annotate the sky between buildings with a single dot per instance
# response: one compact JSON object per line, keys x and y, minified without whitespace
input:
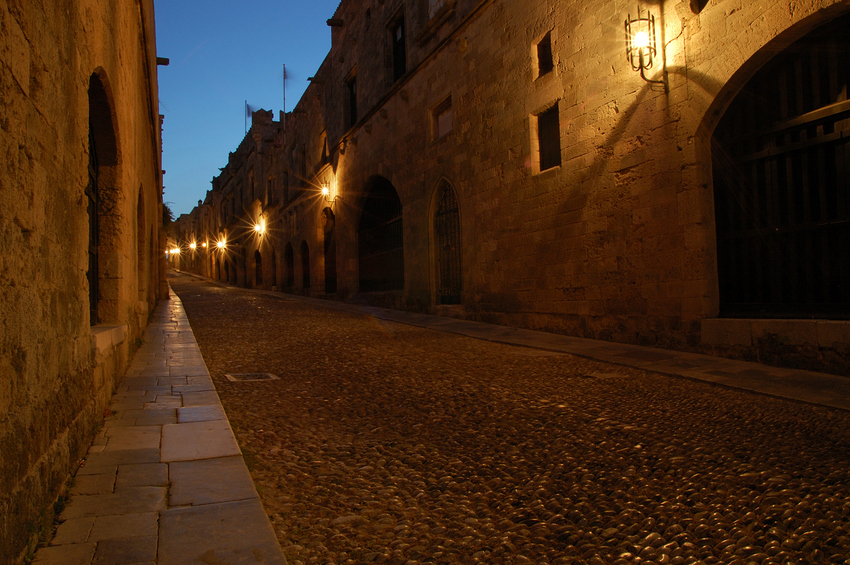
{"x":222,"y":53}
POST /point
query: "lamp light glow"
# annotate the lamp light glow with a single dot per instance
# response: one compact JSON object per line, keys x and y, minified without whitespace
{"x":221,"y":244}
{"x":260,"y":226}
{"x":193,"y":246}
{"x":641,"y":44}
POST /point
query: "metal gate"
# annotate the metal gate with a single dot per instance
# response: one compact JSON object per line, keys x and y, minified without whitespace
{"x":781,"y":164}
{"x":447,"y":228}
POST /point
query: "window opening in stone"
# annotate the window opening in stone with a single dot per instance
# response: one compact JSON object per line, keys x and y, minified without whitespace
{"x":545,"y":62}
{"x":434,"y":7}
{"x":441,"y":119}
{"x":380,"y":239}
{"x":549,"y":138}
{"x":399,"y":51}
{"x":782,"y":185}
{"x":351,"y":91}
{"x":91,"y":196}
{"x":447,"y":230}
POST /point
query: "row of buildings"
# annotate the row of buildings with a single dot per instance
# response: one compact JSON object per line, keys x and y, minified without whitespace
{"x":669,"y":172}
{"x":82,"y":264}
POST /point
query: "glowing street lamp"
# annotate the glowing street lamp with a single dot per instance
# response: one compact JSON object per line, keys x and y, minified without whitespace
{"x":260,"y":227}
{"x":640,"y":44}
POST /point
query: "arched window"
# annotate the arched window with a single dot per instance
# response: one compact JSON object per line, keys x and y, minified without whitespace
{"x":258,"y":268}
{"x":380,"y":237}
{"x":102,"y":194}
{"x":305,"y":265}
{"x":289,"y":260}
{"x":782,"y":184}
{"x":328,"y":221}
{"x":447,"y":234}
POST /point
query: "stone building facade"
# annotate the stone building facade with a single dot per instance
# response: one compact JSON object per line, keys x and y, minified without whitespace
{"x":80,"y":217}
{"x":511,"y":162}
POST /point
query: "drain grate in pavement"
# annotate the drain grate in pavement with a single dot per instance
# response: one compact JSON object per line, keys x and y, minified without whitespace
{"x":240,"y":377}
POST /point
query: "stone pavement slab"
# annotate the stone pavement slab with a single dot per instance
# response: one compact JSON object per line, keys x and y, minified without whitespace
{"x":164,"y":481}
{"x":217,"y":533}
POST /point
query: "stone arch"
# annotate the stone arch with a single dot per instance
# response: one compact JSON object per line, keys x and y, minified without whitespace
{"x":777,"y":156}
{"x":329,"y":232}
{"x":446,"y":241}
{"x":103,"y":193}
{"x":305,"y":265}
{"x":380,"y":238}
{"x":289,"y":265}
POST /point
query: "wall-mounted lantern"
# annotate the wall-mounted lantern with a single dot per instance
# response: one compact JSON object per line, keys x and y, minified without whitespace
{"x":641,"y":48}
{"x":260,"y":226}
{"x":221,"y":244}
{"x":193,"y":246}
{"x":328,"y":194}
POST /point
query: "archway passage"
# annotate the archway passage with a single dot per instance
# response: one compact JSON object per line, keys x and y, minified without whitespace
{"x":305,"y":265}
{"x":258,"y":268}
{"x":447,"y":232}
{"x":329,"y":220}
{"x":380,"y":235}
{"x":289,"y":260}
{"x":782,"y":184}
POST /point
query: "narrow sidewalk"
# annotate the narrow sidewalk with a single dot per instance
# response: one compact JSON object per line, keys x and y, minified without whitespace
{"x":793,"y":384}
{"x":164,"y":482}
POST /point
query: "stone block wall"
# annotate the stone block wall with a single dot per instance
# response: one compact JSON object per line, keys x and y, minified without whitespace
{"x":55,"y":381}
{"x":616,"y":242}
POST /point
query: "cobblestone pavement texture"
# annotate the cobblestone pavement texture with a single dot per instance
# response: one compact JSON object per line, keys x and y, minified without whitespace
{"x":386,"y":443}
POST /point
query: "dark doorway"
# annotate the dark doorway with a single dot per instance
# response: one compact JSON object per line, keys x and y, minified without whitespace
{"x":258,"y":268}
{"x":329,"y":221}
{"x":274,"y":267}
{"x":381,"y":245}
{"x":289,"y":263}
{"x":305,"y":265}
{"x":447,"y":230}
{"x":782,"y":185}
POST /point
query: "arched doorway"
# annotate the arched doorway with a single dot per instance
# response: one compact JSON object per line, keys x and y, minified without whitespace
{"x":447,"y":241}
{"x":258,"y":269}
{"x":328,"y":221}
{"x":273,"y":270}
{"x":305,"y":265}
{"x":289,"y":260}
{"x":782,"y":186}
{"x":227,"y":270}
{"x":380,"y":238}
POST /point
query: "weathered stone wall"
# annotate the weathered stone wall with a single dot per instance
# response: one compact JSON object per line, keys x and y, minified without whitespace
{"x":618,"y":241}
{"x":57,"y":371}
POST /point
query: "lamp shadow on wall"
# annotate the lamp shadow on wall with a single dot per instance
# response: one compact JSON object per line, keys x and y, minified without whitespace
{"x":597,"y":177}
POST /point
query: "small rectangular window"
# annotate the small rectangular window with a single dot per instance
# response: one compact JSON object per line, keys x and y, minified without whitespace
{"x":434,"y":7}
{"x":351,"y":90}
{"x":549,"y":138}
{"x":441,"y":119}
{"x":399,"y":52}
{"x":545,"y":62}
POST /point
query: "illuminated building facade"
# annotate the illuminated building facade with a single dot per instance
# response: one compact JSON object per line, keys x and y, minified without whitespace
{"x":667,"y":174}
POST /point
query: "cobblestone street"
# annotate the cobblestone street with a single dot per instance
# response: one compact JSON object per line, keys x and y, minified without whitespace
{"x":387,"y":443}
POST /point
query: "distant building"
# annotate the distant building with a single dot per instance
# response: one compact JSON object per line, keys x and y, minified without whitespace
{"x":80,"y":215}
{"x":512,"y":162}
